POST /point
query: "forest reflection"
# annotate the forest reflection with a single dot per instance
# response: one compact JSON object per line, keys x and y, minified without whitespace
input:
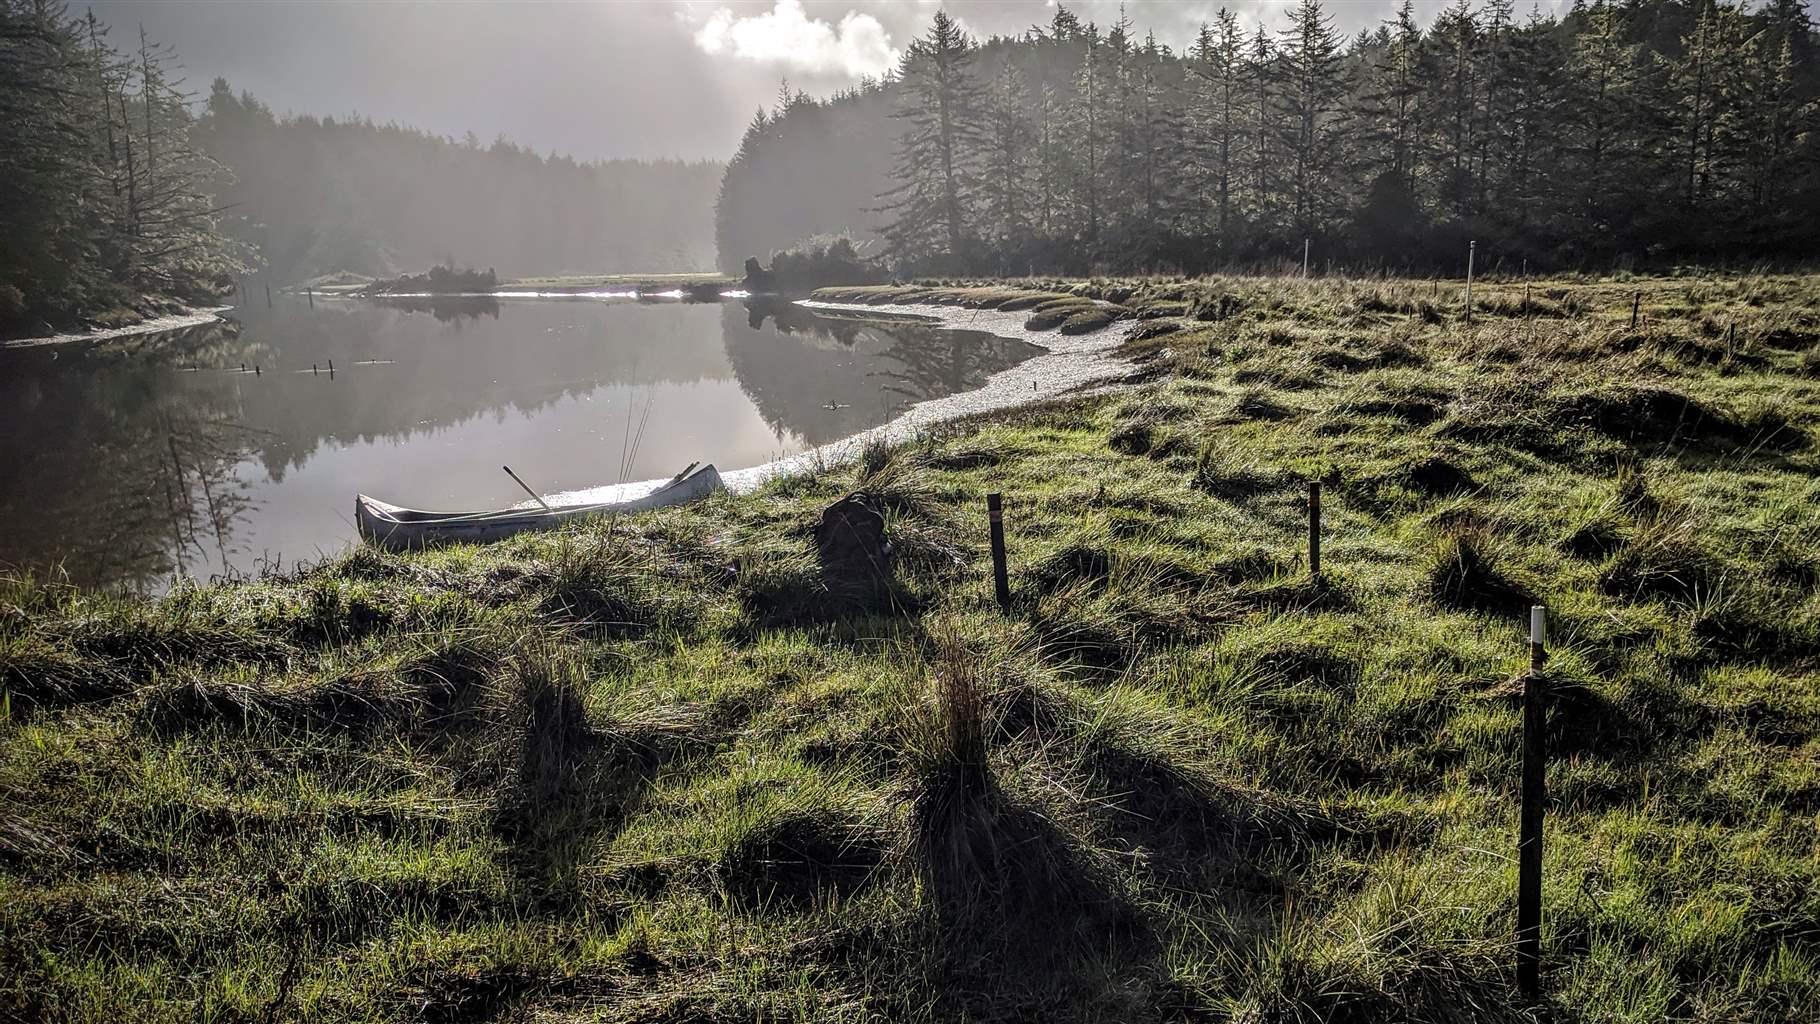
{"x":230,"y":447}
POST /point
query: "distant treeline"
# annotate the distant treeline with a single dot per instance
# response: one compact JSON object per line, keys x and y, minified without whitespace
{"x":123,"y":194}
{"x":315,"y":195}
{"x":105,"y":204}
{"x":1641,"y":130}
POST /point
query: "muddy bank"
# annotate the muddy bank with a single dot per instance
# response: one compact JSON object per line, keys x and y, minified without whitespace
{"x":1068,"y":364}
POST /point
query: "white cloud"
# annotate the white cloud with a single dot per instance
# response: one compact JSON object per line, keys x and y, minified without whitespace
{"x":786,"y":37}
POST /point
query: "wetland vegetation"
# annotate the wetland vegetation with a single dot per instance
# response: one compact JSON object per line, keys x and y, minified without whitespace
{"x":662,"y":770}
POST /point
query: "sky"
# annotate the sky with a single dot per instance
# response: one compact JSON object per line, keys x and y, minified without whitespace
{"x":599,"y":79}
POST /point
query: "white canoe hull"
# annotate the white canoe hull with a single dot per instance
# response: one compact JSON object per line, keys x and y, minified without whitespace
{"x":400,"y":528}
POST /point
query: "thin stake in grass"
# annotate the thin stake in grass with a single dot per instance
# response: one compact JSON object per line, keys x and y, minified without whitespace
{"x":1001,"y":579}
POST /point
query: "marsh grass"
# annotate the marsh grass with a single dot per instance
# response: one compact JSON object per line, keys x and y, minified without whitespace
{"x":664,"y":775}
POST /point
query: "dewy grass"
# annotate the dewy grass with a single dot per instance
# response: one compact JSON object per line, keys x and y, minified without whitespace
{"x":658,"y":775}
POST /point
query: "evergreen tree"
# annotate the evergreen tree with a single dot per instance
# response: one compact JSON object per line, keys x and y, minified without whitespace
{"x":1309,"y":103}
{"x":1007,"y":156}
{"x":1218,"y":63}
{"x":937,"y":152}
{"x":105,"y":198}
{"x":1261,"y":74}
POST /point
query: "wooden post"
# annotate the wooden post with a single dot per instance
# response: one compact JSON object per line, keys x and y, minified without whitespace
{"x":1529,"y":840}
{"x":310,"y":293}
{"x":1314,"y":530}
{"x":268,"y":296}
{"x":1635,"y":301}
{"x":1304,"y":259}
{"x":1472,"y":251}
{"x":1526,"y":298}
{"x":1001,"y":579}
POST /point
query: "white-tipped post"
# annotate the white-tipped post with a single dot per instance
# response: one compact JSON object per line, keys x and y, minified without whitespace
{"x":1538,"y":626}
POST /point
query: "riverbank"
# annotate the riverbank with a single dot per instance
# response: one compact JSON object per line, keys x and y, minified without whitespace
{"x":663,"y":769}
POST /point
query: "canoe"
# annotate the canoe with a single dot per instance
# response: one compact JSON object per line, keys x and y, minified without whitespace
{"x":399,"y":528}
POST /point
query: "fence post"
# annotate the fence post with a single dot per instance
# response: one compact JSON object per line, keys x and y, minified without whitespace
{"x":1529,"y":841}
{"x":1472,"y":251}
{"x":1314,"y":530}
{"x":1635,"y":301}
{"x":310,"y":293}
{"x":268,"y":296}
{"x":1304,"y":259}
{"x":1001,"y":579}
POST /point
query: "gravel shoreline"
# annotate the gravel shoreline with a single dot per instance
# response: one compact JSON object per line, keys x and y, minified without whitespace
{"x":1069,"y":364}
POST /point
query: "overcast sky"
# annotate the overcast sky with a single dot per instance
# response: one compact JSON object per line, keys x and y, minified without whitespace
{"x":613,"y":78}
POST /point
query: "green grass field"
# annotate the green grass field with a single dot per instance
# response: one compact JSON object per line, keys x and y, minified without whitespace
{"x":663,"y":773}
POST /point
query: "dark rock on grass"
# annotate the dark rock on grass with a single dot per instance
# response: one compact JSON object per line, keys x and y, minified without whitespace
{"x":852,"y":549}
{"x":794,"y":860}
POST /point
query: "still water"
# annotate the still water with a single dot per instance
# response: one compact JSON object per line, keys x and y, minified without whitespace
{"x":132,"y":462}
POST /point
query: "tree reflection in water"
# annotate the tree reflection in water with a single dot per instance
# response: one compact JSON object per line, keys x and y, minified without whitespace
{"x":827,"y":376}
{"x":114,"y":477}
{"x":133,"y":461}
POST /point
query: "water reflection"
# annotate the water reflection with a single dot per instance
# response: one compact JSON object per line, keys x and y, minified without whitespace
{"x":133,"y":461}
